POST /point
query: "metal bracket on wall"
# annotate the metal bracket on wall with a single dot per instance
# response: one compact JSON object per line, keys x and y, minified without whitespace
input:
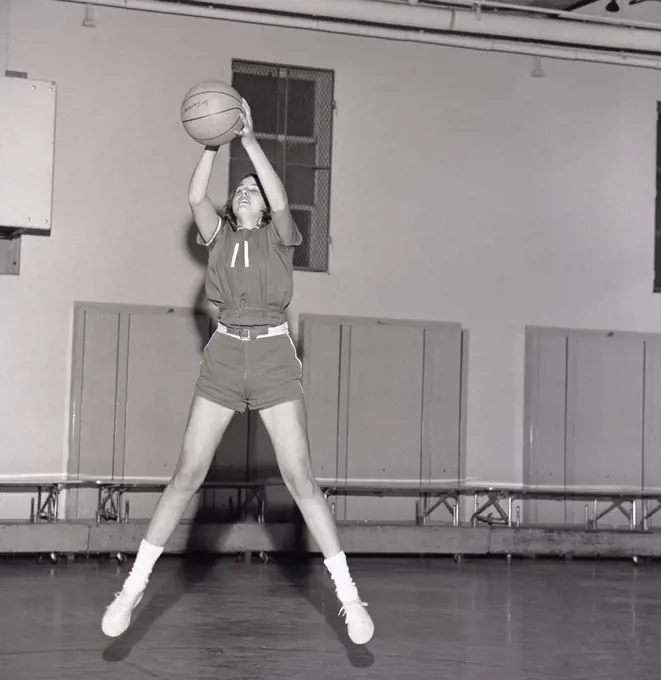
{"x":10,"y":251}
{"x":10,"y":239}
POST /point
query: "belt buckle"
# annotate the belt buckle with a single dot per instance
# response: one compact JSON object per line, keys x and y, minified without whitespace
{"x":244,"y":333}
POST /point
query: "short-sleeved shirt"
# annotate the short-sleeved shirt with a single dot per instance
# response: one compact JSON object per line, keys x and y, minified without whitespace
{"x":250,"y":274}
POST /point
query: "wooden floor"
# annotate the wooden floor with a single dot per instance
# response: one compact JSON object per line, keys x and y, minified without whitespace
{"x":434,"y":619}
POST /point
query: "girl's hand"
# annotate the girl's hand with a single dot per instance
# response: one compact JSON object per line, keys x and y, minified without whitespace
{"x":246,"y":133}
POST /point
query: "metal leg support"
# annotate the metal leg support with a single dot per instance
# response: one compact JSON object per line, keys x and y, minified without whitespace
{"x":109,"y":503}
{"x":493,"y":501}
{"x":448,"y":501}
{"x":617,"y":504}
{"x":246,"y":497}
{"x":329,"y":495}
{"x":47,"y":503}
{"x":647,"y":515}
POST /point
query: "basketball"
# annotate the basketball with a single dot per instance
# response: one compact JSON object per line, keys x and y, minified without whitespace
{"x":211,"y":112}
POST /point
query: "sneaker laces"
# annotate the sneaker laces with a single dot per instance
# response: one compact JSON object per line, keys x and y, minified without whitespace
{"x":349,"y":607}
{"x":129,"y":602}
{"x":117,"y":603}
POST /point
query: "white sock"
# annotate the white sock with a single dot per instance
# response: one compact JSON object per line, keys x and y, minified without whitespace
{"x":144,"y":563}
{"x":339,"y":571}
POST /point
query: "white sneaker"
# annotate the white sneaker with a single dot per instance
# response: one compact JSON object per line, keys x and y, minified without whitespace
{"x":118,"y":615}
{"x":359,"y":623}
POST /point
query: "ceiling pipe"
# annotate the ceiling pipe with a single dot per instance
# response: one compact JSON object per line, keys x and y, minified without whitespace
{"x":548,"y":12}
{"x":466,"y":21}
{"x":386,"y":33}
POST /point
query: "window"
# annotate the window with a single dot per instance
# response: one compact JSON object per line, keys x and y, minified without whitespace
{"x":292,"y":110}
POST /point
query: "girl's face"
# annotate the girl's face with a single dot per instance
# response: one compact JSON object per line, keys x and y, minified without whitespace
{"x":247,"y":202}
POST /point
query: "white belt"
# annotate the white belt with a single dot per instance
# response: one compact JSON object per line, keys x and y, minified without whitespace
{"x":246,"y":333}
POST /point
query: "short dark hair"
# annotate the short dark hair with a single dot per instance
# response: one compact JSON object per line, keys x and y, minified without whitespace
{"x":227,"y":212}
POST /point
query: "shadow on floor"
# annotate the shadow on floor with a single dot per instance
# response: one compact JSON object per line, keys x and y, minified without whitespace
{"x":305,"y":573}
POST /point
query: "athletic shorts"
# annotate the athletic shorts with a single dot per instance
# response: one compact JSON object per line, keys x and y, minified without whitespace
{"x":254,"y":374}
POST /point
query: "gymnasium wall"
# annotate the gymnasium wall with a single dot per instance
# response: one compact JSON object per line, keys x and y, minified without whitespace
{"x":463,"y":190}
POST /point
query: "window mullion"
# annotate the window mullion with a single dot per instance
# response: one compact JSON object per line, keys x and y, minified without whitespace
{"x":286,"y":129}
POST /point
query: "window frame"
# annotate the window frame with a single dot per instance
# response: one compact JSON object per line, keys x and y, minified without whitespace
{"x":318,"y":234}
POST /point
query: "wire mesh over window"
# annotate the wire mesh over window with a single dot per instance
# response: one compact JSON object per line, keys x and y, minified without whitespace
{"x":292,"y":110}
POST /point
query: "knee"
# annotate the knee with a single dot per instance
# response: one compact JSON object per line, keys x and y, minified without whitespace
{"x":187,"y":480}
{"x":300,"y":482}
